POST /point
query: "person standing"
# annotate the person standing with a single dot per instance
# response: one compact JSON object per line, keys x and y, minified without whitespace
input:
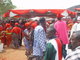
{"x":62,"y":33}
{"x":26,"y":38}
{"x":54,"y":46}
{"x":39,"y":44}
{"x":8,"y":34}
{"x":16,"y":35}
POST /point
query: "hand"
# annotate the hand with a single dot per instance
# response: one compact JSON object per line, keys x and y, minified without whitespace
{"x":27,"y":53}
{"x":43,"y":53}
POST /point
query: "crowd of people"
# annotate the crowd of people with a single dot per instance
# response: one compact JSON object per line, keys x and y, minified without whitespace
{"x":43,"y":40}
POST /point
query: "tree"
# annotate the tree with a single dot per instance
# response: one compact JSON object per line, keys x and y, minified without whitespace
{"x":5,"y":5}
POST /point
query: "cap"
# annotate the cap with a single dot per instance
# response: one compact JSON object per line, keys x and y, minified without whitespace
{"x":16,"y":23}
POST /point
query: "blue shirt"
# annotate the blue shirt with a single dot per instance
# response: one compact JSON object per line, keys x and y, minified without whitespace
{"x":26,"y":42}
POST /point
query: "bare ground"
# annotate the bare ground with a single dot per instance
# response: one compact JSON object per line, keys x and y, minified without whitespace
{"x":13,"y":54}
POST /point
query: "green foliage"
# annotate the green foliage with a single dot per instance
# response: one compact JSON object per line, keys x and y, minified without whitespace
{"x":5,"y":5}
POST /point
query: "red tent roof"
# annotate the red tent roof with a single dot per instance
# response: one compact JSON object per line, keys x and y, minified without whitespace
{"x":77,"y":8}
{"x":20,"y":11}
{"x":40,"y":11}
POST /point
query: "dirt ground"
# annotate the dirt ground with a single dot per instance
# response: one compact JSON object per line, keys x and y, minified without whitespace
{"x":13,"y":54}
{"x":16,"y":54}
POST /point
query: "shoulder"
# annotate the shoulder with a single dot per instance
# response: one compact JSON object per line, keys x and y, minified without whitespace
{"x":75,"y":24}
{"x":52,"y":40}
{"x":50,"y":46}
{"x":59,"y":22}
{"x":75,"y":55}
{"x":38,"y":28}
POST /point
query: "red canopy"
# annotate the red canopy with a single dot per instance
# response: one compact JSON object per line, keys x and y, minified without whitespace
{"x":39,"y":11}
{"x":42,"y":11}
{"x":20,"y":11}
{"x":77,"y":8}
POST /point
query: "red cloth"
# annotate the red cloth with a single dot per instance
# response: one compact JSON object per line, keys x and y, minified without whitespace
{"x":1,"y":28}
{"x":16,"y":30}
{"x":42,"y":11}
{"x":27,"y":24}
{"x":8,"y":39}
{"x":8,"y":36}
{"x":34,"y":24}
{"x":19,"y":12}
{"x":59,"y":48}
{"x":3,"y":37}
{"x":8,"y":25}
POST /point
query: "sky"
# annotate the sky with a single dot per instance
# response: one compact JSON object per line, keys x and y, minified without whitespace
{"x":44,"y":4}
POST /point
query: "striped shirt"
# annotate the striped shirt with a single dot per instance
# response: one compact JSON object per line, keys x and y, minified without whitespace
{"x":74,"y":55}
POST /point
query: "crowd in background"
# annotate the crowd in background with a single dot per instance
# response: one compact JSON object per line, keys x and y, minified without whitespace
{"x":42,"y":39}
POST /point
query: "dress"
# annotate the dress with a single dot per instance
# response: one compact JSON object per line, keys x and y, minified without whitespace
{"x":16,"y":35}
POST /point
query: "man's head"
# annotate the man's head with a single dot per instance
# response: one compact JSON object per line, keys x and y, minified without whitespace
{"x":50,"y":32}
{"x":42,"y":22}
{"x":75,"y":39}
{"x":53,"y":21}
{"x":59,"y":18}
